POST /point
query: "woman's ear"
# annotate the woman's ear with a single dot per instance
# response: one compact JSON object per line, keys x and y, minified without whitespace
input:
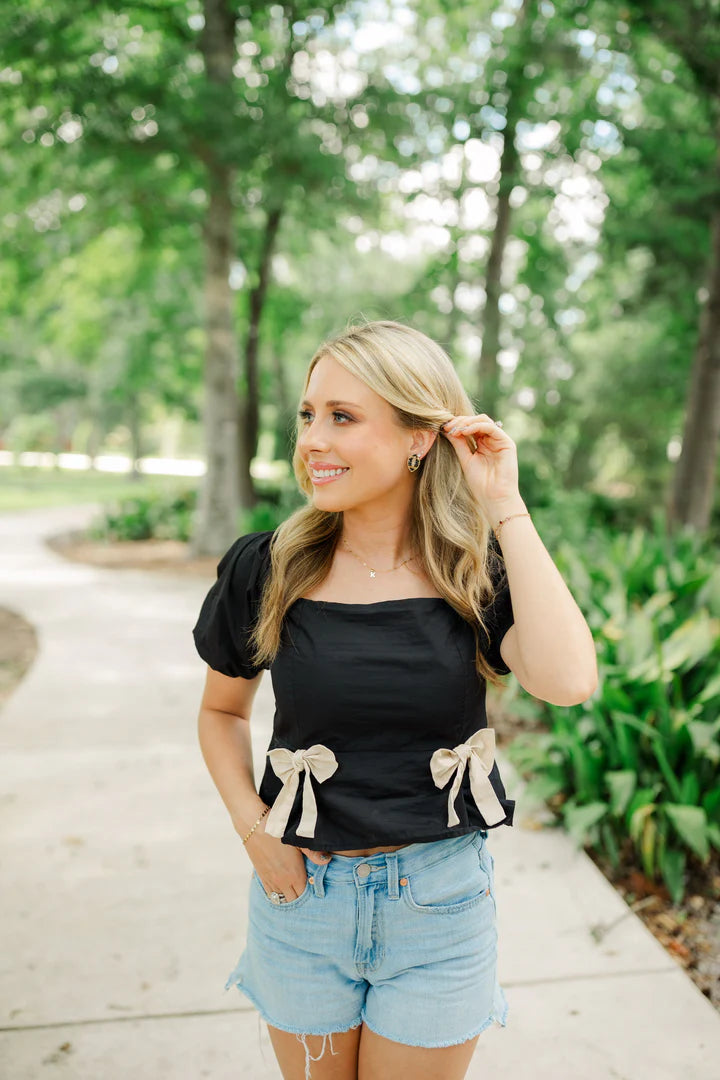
{"x":423,"y":441}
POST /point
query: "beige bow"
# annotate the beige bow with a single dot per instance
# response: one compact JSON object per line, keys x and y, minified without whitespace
{"x":480,"y":751}
{"x":288,"y":764}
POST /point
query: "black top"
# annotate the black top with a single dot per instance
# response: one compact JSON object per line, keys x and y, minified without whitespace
{"x":380,"y":734}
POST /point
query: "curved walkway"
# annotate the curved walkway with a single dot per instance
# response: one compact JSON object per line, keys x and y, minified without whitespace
{"x":123,"y":883}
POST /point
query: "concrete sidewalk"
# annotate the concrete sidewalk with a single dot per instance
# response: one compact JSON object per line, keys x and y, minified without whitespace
{"x":124,"y":885}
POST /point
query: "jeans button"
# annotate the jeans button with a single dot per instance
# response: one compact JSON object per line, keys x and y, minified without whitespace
{"x":363,"y":869}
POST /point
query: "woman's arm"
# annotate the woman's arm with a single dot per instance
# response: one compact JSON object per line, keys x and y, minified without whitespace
{"x":224,"y":734}
{"x":549,"y":647}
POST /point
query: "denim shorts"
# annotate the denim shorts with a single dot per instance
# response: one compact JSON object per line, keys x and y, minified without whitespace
{"x":405,"y":941}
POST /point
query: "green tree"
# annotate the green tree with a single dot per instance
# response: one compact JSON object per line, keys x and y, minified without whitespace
{"x":676,"y":215}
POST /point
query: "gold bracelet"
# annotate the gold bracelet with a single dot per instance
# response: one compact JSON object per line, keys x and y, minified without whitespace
{"x":265,"y":811}
{"x":500,"y":524}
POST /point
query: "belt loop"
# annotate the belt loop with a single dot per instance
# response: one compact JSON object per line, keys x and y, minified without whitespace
{"x":391,"y":860}
{"x":318,"y":875}
{"x":479,"y":838}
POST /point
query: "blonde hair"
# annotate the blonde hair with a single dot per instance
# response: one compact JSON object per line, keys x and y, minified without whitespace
{"x":416,"y":377}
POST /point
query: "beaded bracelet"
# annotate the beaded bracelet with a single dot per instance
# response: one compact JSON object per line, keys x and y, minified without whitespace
{"x":500,"y":524}
{"x":265,"y":811}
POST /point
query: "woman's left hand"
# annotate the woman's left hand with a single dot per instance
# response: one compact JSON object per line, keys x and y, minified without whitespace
{"x":488,"y":457}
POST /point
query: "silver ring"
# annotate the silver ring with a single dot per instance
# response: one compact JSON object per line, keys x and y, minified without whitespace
{"x":497,"y":423}
{"x":277,"y":897}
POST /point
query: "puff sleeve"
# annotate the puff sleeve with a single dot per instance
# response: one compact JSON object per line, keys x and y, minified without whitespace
{"x":228,"y":611}
{"x":498,"y":614}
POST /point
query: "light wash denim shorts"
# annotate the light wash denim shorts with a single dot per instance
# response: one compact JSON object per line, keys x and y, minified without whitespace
{"x":405,"y":941}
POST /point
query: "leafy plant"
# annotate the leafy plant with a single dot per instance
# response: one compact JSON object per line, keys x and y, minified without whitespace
{"x":166,"y":516}
{"x":638,"y":764}
{"x":158,"y":515}
{"x":273,"y":507}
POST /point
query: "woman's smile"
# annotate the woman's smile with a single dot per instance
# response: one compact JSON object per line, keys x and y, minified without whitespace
{"x":326,"y":476}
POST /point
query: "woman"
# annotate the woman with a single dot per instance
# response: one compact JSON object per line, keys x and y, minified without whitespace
{"x":412,"y":577}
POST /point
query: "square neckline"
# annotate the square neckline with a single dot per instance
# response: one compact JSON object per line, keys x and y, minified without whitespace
{"x":372,"y":604}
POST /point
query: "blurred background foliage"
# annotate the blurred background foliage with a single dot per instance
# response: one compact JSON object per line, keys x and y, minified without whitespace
{"x":533,"y":183}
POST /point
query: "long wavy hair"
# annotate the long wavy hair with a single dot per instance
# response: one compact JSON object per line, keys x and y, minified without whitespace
{"x":416,"y":377}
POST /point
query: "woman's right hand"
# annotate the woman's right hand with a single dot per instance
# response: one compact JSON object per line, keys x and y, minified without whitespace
{"x":281,"y":867}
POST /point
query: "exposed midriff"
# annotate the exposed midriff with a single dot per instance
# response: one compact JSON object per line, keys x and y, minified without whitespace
{"x":368,"y":851}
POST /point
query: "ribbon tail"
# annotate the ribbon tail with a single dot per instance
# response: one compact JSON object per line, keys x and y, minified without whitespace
{"x":483,"y":793}
{"x":308,"y":818}
{"x":453,"y":819}
{"x":276,"y":821}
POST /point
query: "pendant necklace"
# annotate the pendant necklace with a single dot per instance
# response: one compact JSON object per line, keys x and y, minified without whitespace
{"x":373,"y":572}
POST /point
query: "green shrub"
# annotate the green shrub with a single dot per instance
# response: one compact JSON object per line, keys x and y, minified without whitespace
{"x":274,"y":505}
{"x":142,"y":517}
{"x":170,"y":516}
{"x":637,"y":766}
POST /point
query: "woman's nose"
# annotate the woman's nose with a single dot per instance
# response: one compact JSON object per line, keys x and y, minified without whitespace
{"x":313,"y":440}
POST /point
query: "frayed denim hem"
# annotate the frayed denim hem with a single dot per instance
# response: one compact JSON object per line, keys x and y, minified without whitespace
{"x":498,"y":1017}
{"x":235,"y":980}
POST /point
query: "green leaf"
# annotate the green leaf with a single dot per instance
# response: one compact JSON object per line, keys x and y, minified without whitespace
{"x":704,"y":737}
{"x":621,"y":783}
{"x":690,"y":822}
{"x":638,"y":819}
{"x":672,"y":867}
{"x":633,"y":722}
{"x":690,"y":789}
{"x":647,"y":845}
{"x":580,"y":820}
{"x":686,"y":646}
{"x":713,"y":833}
{"x":711,"y":689}
{"x":544,"y":786}
{"x":711,"y":802}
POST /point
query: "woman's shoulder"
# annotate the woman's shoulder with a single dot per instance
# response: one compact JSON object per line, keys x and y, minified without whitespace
{"x":243,"y":568}
{"x":247,"y":551}
{"x":230,"y":607}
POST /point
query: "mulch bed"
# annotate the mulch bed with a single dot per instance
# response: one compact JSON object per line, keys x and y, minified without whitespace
{"x":690,"y":931}
{"x":164,"y":556}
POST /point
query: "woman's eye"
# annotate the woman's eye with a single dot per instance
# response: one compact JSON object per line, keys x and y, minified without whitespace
{"x":305,"y":414}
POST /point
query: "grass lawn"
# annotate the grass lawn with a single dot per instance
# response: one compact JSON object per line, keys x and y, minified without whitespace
{"x":28,"y":487}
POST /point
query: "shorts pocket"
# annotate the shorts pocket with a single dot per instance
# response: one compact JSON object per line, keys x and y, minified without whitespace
{"x":450,"y":885}
{"x":288,"y":903}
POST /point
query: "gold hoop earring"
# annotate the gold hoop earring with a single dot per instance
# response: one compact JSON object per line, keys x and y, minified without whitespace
{"x":413,"y":462}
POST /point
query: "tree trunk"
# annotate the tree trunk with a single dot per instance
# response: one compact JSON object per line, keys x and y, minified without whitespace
{"x":216,"y":520}
{"x":489,"y":373}
{"x":135,"y":425}
{"x":691,"y":497}
{"x":453,"y":264}
{"x":249,"y":407}
{"x":96,"y":434}
{"x":286,"y":421}
{"x":489,"y":390}
{"x":579,"y":472}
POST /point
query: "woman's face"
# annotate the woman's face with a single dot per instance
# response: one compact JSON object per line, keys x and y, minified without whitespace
{"x":344,"y":424}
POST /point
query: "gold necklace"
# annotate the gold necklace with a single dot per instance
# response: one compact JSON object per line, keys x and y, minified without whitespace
{"x":370,"y":568}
